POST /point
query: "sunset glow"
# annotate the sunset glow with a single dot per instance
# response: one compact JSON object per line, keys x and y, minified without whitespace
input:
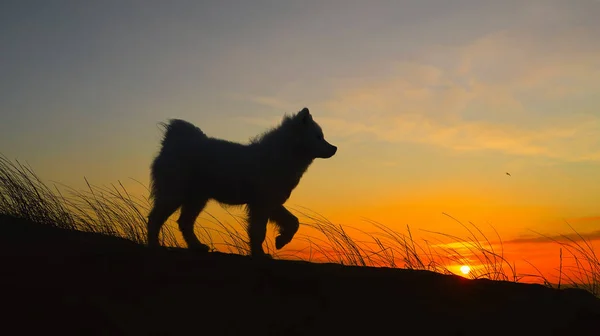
{"x":430,"y":104}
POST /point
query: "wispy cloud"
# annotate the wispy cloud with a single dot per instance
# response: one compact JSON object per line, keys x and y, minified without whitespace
{"x":563,"y":238}
{"x":568,"y":141}
{"x":263,"y":122}
{"x":585,"y":219}
{"x":273,"y":102}
{"x":520,"y":91}
{"x":573,"y":236}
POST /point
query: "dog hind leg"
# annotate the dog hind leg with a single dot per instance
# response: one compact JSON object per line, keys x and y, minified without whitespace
{"x":189,"y":212}
{"x":160,"y":212}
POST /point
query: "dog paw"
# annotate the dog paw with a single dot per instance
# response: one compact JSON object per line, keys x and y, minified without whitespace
{"x":281,"y":241}
{"x":261,"y":256}
{"x":200,"y":248}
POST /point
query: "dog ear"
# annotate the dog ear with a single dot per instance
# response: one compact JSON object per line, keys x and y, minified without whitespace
{"x":305,"y":116}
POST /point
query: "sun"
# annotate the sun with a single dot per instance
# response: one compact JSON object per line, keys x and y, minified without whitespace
{"x":464,"y":269}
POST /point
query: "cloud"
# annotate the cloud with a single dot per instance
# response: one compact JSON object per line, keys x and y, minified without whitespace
{"x":527,"y":90}
{"x":567,"y":142}
{"x":273,"y":102}
{"x":565,"y":238}
{"x":262,"y":122}
{"x":585,"y":219}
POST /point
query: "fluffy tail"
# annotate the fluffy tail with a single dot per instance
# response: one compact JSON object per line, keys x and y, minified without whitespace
{"x":178,"y":130}
{"x":177,"y":136}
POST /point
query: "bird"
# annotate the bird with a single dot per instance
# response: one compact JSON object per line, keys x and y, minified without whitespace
{"x":507,"y":173}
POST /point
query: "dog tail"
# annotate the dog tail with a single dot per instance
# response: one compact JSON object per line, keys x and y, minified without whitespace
{"x":178,"y":134}
{"x":177,"y":130}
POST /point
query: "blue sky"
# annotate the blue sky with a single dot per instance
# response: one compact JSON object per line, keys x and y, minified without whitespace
{"x":429,"y":102}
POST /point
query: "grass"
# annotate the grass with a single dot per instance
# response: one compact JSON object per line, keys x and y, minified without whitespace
{"x":112,"y":210}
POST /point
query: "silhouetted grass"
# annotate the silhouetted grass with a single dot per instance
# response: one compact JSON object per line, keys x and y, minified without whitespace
{"x":585,"y":274}
{"x":112,"y":210}
{"x":24,"y":195}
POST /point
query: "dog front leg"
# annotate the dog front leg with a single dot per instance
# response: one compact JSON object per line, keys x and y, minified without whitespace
{"x":288,"y":225}
{"x":257,"y":229}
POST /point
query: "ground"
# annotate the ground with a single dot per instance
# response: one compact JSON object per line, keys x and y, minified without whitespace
{"x":69,"y":282}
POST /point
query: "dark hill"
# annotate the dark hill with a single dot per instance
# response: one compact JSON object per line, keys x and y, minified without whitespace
{"x":68,"y":282}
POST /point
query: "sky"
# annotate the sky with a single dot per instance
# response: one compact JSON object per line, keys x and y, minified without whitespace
{"x":429,"y":102}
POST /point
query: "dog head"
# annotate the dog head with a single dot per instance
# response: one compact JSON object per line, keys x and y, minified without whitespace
{"x":310,"y":137}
